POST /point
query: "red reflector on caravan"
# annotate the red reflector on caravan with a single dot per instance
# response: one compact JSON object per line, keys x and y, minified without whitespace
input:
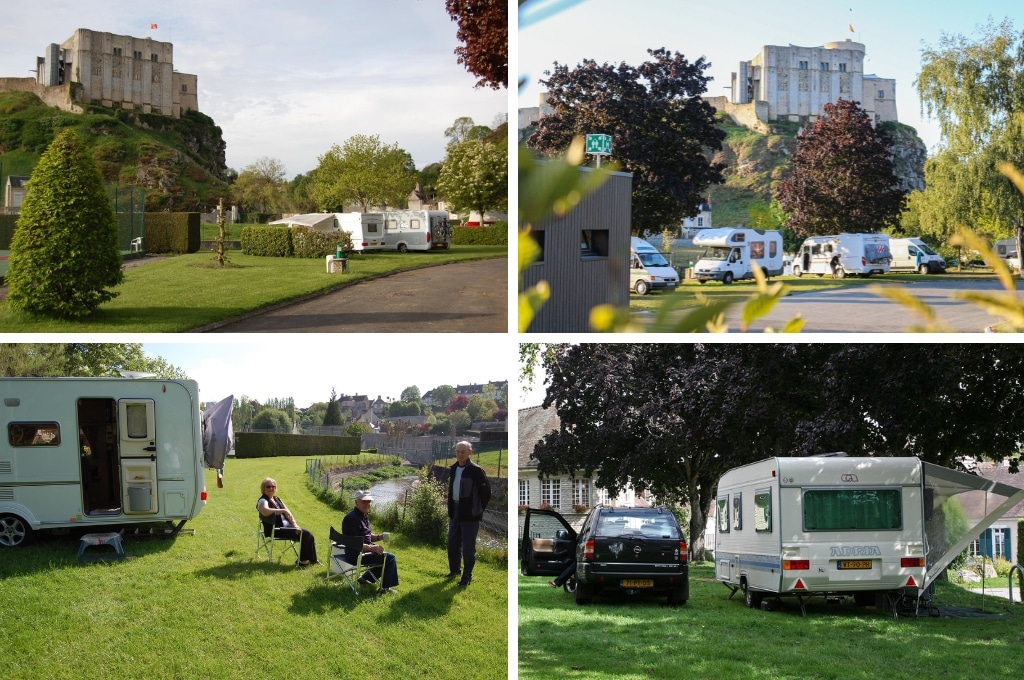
{"x":799,"y":585}
{"x":911,"y":583}
{"x":202,"y":496}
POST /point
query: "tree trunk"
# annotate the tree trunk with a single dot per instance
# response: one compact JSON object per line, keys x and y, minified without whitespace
{"x":1017,"y":232}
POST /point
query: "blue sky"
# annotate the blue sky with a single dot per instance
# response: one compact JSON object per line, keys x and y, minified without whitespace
{"x":729,"y":32}
{"x":288,"y":79}
{"x":306,"y":367}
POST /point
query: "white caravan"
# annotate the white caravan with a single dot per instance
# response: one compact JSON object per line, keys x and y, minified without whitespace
{"x":366,"y":229}
{"x":648,"y":269}
{"x":416,"y":230}
{"x":863,"y":254}
{"x":731,"y":253}
{"x":914,"y":255}
{"x":88,"y":452}
{"x":832,"y":525}
{"x":1007,"y":250}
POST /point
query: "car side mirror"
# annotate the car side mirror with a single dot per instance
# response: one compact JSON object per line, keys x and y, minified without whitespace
{"x":561,"y":534}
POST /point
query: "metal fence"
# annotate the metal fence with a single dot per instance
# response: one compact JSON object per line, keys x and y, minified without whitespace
{"x":129,"y":203}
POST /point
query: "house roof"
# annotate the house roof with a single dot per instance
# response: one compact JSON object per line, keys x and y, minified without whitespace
{"x":534,"y":423}
{"x":997,"y":472}
{"x":17,"y":181}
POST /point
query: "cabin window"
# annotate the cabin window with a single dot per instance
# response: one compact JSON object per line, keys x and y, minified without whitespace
{"x":757,"y":250}
{"x":737,"y":522}
{"x":137,"y":422}
{"x":739,"y":237}
{"x":723,"y":515}
{"x":538,"y":238}
{"x":33,"y":434}
{"x":594,"y":243}
{"x":773,"y":249}
{"x":853,"y":510}
{"x":763,"y":510}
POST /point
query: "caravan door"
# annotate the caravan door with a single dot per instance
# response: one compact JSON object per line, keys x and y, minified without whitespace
{"x":137,"y":437}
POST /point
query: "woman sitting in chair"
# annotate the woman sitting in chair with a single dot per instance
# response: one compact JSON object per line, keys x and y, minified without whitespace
{"x":275,"y":514}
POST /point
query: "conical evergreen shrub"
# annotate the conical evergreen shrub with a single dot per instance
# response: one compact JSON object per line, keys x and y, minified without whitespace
{"x":65,"y":254}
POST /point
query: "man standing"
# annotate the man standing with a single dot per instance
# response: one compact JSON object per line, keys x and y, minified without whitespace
{"x":469,"y":492}
{"x":357,"y":523}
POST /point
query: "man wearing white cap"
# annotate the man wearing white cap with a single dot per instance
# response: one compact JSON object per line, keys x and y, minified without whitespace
{"x":357,"y":523}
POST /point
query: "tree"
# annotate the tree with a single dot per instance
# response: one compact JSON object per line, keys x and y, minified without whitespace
{"x":81,"y":360}
{"x":261,"y":186}
{"x":474,"y":176}
{"x":480,"y":408}
{"x":272,"y":419}
{"x":358,"y":429}
{"x":298,"y":191}
{"x":411,"y":393}
{"x":661,"y":129}
{"x":363,"y":171}
{"x":442,"y":394}
{"x":457,"y":403}
{"x":976,"y":91}
{"x":65,"y":253}
{"x":843,"y":178}
{"x":403,"y":408}
{"x":458,"y":422}
{"x":464,"y":129}
{"x":332,"y":416}
{"x":483,"y":31}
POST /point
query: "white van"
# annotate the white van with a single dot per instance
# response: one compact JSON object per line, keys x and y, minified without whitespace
{"x":89,"y":452}
{"x":862,"y":254}
{"x":914,"y":255}
{"x":1007,"y":249}
{"x":731,"y":252}
{"x":416,"y":230}
{"x":648,"y":269}
{"x":833,"y":525}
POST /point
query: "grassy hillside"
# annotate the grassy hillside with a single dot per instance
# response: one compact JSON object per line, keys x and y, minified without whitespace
{"x":180,"y":162}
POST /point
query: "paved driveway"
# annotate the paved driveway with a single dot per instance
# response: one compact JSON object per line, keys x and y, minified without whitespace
{"x":855,"y":309}
{"x":465,"y":297}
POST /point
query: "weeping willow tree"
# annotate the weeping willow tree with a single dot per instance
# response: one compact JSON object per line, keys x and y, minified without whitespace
{"x":975,"y":89}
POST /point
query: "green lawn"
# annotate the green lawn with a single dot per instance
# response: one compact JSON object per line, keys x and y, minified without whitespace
{"x":713,"y":637}
{"x":200,"y":607}
{"x":185,"y":292}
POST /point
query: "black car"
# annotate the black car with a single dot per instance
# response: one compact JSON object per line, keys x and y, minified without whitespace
{"x":634,"y":550}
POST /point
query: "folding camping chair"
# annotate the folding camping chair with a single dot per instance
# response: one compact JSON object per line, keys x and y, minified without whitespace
{"x":337,"y":566}
{"x":266,"y":536}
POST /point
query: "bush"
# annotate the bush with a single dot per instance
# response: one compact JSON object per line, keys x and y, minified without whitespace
{"x":427,"y":519}
{"x":311,"y":243}
{"x":269,"y":241}
{"x":168,"y":232}
{"x":65,"y":253}
{"x":481,"y":236}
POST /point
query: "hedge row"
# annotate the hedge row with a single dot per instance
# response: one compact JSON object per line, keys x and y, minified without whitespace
{"x":172,"y":232}
{"x":481,"y":236}
{"x":7,"y":223}
{"x":284,"y":241}
{"x":271,"y":444}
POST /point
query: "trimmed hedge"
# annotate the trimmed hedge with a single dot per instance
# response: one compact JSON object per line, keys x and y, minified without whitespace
{"x":172,"y":232}
{"x":481,"y":236}
{"x":7,"y":224}
{"x":271,"y":444}
{"x":285,"y":241}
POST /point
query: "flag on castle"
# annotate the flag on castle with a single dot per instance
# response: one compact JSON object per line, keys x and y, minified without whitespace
{"x":851,"y":27}
{"x":153,"y":27}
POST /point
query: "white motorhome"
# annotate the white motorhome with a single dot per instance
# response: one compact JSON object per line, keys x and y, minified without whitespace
{"x":88,"y":452}
{"x":648,"y":269}
{"x":862,"y":254}
{"x":731,"y":253}
{"x":1007,"y":249}
{"x":832,"y":525}
{"x":914,"y":255}
{"x":416,"y":230}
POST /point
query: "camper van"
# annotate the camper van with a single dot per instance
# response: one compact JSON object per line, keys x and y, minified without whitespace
{"x":648,"y":269}
{"x":1007,"y":250}
{"x":416,"y":230}
{"x":833,"y":525}
{"x":731,"y":253}
{"x":862,"y":254}
{"x":89,"y":452}
{"x":914,"y":255}
{"x":366,"y":229}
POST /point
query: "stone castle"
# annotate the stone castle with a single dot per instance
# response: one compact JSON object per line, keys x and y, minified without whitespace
{"x":115,"y":71}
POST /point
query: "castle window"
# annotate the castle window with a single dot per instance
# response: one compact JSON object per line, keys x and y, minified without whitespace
{"x":137,"y":55}
{"x":803,"y":65}
{"x":842,"y":68}
{"x":824,"y":66}
{"x":184,"y":87}
{"x":881,"y":94}
{"x":117,"y":51}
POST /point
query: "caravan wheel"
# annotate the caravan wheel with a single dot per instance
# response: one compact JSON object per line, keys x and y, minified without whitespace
{"x":402,"y":248}
{"x":752,"y":598}
{"x":14,"y":531}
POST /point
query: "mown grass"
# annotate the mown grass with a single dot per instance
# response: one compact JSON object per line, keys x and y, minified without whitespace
{"x":714,"y":637}
{"x":186,"y":292}
{"x":200,"y":606}
{"x":488,"y":460}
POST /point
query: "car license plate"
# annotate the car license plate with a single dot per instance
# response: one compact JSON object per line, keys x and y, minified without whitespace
{"x":638,"y":583}
{"x":854,"y":564}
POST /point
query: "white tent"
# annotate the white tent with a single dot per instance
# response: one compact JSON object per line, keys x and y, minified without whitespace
{"x":317,"y":221}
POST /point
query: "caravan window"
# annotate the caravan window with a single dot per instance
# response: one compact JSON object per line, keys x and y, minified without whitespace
{"x":414,"y":224}
{"x":723,"y":515}
{"x":33,"y":434}
{"x":372,"y":227}
{"x":763,"y":510}
{"x":391,"y":225}
{"x":137,"y":425}
{"x":853,"y":510}
{"x":737,"y":523}
{"x":757,"y":250}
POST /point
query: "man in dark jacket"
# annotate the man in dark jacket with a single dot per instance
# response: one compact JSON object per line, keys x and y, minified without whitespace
{"x":469,"y":492}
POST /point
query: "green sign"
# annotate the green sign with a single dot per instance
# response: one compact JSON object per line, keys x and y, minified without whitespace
{"x":599,"y":144}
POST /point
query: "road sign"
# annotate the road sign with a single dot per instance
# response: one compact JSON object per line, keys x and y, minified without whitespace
{"x":599,"y":144}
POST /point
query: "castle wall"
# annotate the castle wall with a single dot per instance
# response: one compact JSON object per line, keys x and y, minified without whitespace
{"x":58,"y":95}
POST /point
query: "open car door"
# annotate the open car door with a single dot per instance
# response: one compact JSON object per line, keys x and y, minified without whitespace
{"x":548,"y":545}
